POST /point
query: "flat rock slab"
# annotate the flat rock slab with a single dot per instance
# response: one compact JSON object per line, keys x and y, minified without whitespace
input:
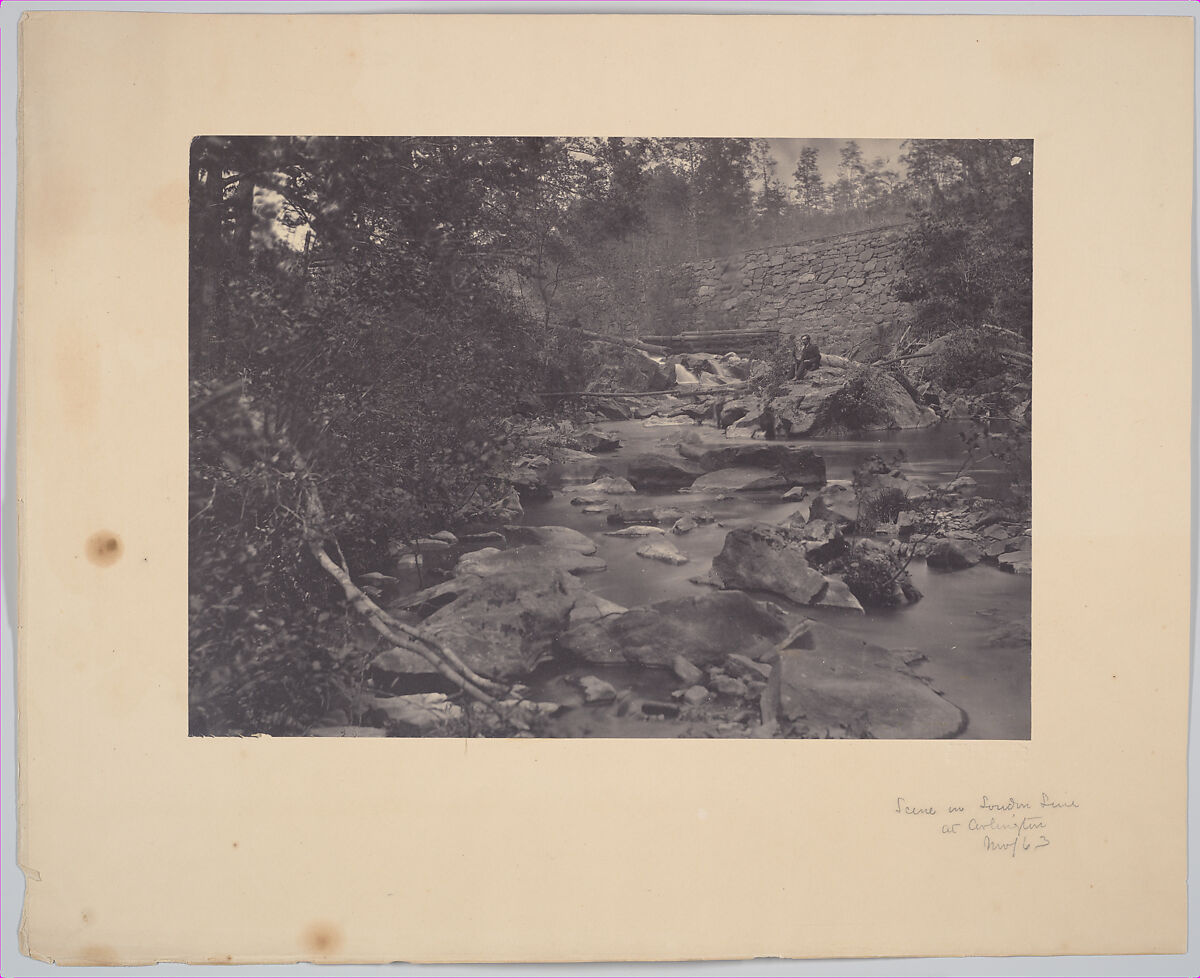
{"x":843,"y":682}
{"x":505,"y":623}
{"x":837,"y":595}
{"x":803,"y":466}
{"x":740,"y":479}
{"x":637,"y":530}
{"x":703,"y":630}
{"x":598,"y":441}
{"x":420,"y":714}
{"x":663,"y":551}
{"x":589,"y":607}
{"x":609,"y":485}
{"x":953,"y":555}
{"x":550,"y":536}
{"x":489,"y":562}
{"x":662,"y":472}
{"x":1017,"y":561}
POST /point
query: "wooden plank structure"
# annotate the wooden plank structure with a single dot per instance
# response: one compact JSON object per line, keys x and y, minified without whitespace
{"x":740,"y":341}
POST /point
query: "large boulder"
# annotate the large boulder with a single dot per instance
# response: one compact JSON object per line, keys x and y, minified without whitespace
{"x":802,"y":466}
{"x":825,"y":680}
{"x":702,"y":629}
{"x":649,"y":471}
{"x":822,"y":540}
{"x":530,"y":484}
{"x":608,"y":485}
{"x":401,"y":670}
{"x":629,"y":369}
{"x":597,"y":441}
{"x":504,"y":624}
{"x":833,"y":399}
{"x":838,"y":504}
{"x":740,"y":479}
{"x":763,"y":557}
{"x":953,"y":555}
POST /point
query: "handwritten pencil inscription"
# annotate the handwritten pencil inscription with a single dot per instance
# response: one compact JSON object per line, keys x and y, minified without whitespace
{"x":1001,"y":825}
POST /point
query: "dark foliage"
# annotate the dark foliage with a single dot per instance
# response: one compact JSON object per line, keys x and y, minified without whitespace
{"x":969,"y":260}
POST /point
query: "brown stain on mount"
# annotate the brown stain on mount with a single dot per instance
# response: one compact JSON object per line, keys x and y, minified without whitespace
{"x":103,"y":548}
{"x":322,"y":938}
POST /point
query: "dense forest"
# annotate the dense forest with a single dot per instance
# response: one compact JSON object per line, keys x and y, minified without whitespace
{"x":372,"y":318}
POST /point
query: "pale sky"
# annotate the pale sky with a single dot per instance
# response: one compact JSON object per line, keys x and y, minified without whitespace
{"x":787,"y":151}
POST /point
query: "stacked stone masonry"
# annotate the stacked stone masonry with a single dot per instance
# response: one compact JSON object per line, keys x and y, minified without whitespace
{"x":839,"y":289}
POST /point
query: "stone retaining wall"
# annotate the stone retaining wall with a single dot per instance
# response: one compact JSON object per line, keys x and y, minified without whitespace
{"x":837,"y":288}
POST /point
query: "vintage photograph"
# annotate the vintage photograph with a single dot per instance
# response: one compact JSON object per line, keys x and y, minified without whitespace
{"x":610,"y":437}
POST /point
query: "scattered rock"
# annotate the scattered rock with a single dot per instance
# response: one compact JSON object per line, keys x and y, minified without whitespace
{"x":953,"y":555}
{"x":740,"y":480}
{"x":589,"y":606}
{"x":763,"y":557}
{"x":795,"y":494}
{"x":728,"y":686}
{"x":838,"y":504}
{"x":812,"y":406}
{"x":822,"y":540}
{"x":504,"y":624}
{"x":684,"y":524}
{"x":661,"y":550}
{"x":399,"y":670}
{"x":802,"y":466}
{"x":743,"y":667}
{"x":610,"y":485}
{"x":837,"y":595}
{"x":1017,"y":561}
{"x":656,"y":514}
{"x":507,"y":508}
{"x":686,"y":671}
{"x":420,"y":714}
{"x":598,"y":441}
{"x":662,"y":472}
{"x":653,"y":708}
{"x":704,"y":629}
{"x":825,"y":679}
{"x":489,"y":562}
{"x":636,"y":530}
{"x":551,"y":536}
{"x":695,"y":695}
{"x":596,"y":690}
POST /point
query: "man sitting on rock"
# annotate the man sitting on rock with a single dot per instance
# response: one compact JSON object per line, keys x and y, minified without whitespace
{"x":806,"y":355}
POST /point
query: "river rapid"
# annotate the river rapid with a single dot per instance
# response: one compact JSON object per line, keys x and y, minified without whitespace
{"x":971,"y":626}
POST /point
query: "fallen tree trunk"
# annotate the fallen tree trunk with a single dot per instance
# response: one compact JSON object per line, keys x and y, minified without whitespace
{"x":618,"y":340}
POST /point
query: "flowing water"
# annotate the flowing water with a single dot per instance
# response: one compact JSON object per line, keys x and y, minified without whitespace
{"x":972,"y":626}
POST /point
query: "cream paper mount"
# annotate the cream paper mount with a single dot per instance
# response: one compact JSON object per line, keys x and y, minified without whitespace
{"x":140,"y":844}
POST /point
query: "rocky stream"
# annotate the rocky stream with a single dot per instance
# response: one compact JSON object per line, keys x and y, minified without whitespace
{"x":681,"y":578}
